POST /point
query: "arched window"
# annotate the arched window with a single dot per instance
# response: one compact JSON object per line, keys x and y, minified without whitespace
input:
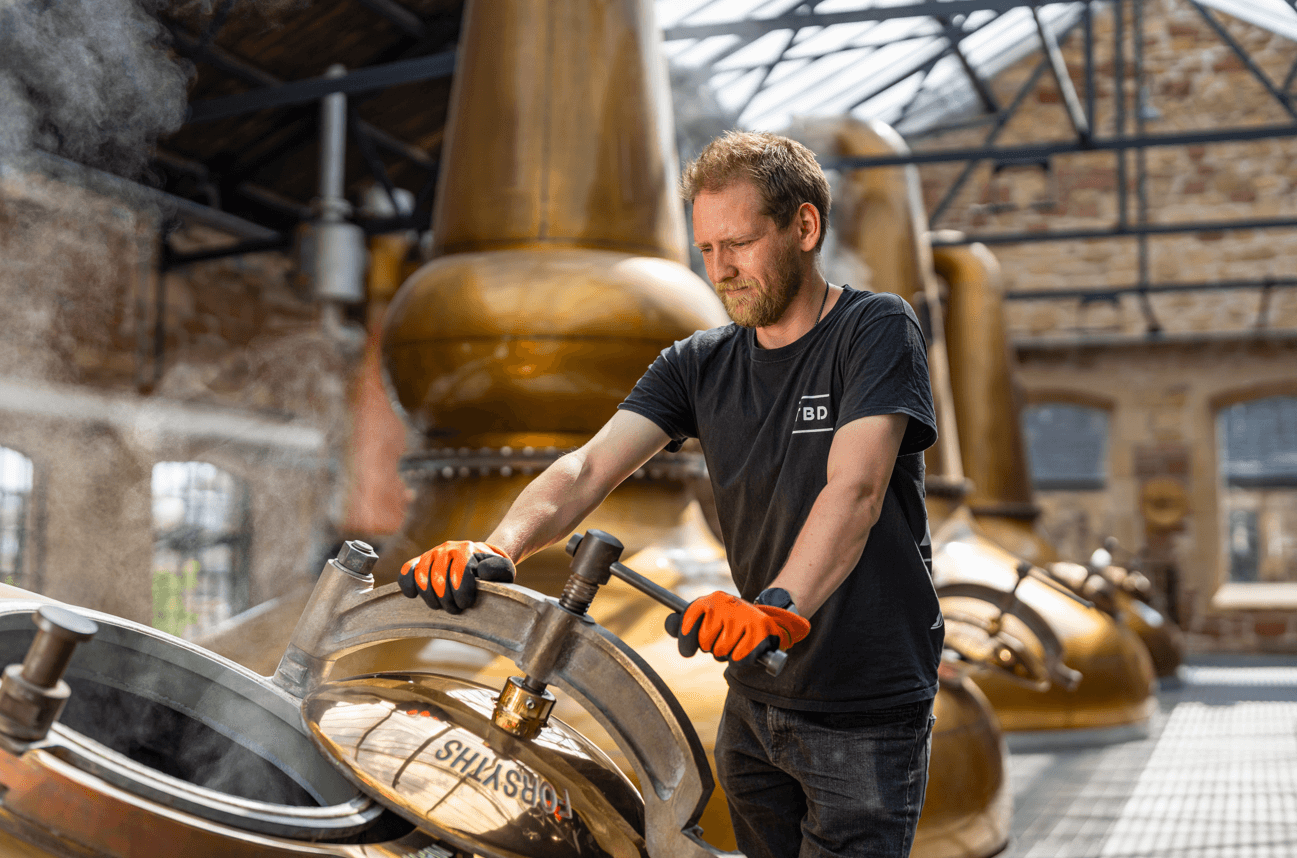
{"x":1067,"y":445}
{"x":1258,"y":465}
{"x":15,"y":514}
{"x":200,"y":547}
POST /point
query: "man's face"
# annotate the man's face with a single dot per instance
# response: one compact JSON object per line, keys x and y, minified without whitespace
{"x":755,"y":267}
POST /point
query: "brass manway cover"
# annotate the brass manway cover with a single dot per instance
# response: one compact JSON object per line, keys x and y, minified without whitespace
{"x":425,"y":746}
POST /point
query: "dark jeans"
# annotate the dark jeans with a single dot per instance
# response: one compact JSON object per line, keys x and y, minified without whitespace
{"x":821,"y":785}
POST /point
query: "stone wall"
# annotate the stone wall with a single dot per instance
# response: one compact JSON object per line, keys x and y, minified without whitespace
{"x":246,"y":379}
{"x":1213,"y":346}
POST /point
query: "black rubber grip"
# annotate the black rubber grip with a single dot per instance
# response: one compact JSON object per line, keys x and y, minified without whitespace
{"x":773,"y":662}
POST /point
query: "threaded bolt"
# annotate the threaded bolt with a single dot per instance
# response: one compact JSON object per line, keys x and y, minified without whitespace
{"x":357,"y":557}
{"x":577,"y":595}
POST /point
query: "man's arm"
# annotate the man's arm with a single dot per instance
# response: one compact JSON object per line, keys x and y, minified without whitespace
{"x":831,"y":541}
{"x":570,"y":489}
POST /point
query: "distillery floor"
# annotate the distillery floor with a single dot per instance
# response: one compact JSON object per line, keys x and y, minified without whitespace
{"x":1216,"y":777}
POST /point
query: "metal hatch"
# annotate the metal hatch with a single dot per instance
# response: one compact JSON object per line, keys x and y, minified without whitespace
{"x":425,"y":746}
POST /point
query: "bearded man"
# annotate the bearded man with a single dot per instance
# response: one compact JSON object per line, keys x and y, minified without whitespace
{"x":813,"y":410}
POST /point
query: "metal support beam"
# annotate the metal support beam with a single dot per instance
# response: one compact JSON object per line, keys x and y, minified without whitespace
{"x":1041,"y":151}
{"x":376,"y":168}
{"x":765,"y":73}
{"x":1117,"y":232}
{"x":850,"y":46}
{"x":245,"y":71}
{"x":1002,"y":120}
{"x":918,"y":93}
{"x":171,"y":260}
{"x":313,"y":89}
{"x":1087,"y":20}
{"x":397,"y":14}
{"x":1151,"y":322}
{"x":923,"y":67}
{"x":219,"y":59}
{"x":1105,"y":293}
{"x":1119,"y":97}
{"x":1257,"y":71}
{"x":989,"y":102}
{"x":1290,"y":77}
{"x":219,"y":17}
{"x":1058,"y":66}
{"x":755,"y":28}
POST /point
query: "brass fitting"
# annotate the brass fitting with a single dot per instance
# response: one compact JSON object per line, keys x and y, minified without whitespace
{"x":520,"y":710}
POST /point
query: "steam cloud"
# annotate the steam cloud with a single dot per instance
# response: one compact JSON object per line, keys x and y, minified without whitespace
{"x":90,"y":80}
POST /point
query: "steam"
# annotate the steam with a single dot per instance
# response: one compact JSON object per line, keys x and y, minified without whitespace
{"x":90,"y":80}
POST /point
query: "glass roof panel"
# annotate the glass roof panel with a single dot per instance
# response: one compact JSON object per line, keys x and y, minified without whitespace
{"x":1277,"y":16}
{"x":897,"y":69}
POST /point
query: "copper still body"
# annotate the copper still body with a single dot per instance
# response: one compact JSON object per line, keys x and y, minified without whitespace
{"x":989,"y":407}
{"x":1099,"y":685}
{"x":558,"y":282}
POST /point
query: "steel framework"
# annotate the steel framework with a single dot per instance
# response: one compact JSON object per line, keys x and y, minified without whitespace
{"x":429,"y":54}
{"x":1128,"y":138}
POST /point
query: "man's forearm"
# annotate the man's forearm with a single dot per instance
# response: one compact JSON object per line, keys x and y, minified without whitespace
{"x":829,"y":545}
{"x":548,"y":508}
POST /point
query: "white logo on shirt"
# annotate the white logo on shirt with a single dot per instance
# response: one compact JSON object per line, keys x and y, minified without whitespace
{"x":813,"y":414}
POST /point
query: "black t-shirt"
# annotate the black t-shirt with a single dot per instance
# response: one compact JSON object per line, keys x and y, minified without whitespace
{"x":766,"y":419}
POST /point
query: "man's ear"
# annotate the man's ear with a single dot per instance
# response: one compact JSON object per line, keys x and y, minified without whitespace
{"x":809,"y":226}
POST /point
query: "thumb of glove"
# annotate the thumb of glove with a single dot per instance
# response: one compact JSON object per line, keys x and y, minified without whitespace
{"x":495,"y":568}
{"x":688,"y":643}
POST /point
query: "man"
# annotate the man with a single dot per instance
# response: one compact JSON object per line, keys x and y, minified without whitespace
{"x":812,"y":410}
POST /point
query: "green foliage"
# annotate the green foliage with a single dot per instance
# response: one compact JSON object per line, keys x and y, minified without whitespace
{"x":169,"y":590}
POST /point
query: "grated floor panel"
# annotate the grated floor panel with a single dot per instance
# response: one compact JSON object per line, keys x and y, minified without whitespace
{"x":1215,"y":778}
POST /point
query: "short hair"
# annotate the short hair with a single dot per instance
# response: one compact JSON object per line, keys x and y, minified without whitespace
{"x":784,"y":171}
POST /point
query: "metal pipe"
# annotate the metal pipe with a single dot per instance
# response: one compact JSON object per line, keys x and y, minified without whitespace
{"x":333,"y":147}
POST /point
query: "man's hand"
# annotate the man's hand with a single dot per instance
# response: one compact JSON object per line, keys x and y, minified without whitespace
{"x":734,"y":630}
{"x":446,"y":576}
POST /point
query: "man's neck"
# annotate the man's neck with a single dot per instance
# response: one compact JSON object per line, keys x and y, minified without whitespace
{"x":814,"y":300}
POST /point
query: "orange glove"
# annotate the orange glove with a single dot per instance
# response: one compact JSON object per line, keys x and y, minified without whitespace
{"x":446,"y":576}
{"x":734,"y":630}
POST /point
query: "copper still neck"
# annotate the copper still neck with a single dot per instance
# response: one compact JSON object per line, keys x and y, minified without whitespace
{"x":545,"y":150}
{"x":982,"y":376}
{"x":882,"y":223}
{"x":557,"y":278}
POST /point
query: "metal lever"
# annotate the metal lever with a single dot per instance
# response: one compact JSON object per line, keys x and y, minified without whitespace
{"x":773,"y":662}
{"x":1054,"y":584}
{"x":547,"y":642}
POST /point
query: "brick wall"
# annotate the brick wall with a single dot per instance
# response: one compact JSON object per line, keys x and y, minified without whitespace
{"x":1216,"y":345}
